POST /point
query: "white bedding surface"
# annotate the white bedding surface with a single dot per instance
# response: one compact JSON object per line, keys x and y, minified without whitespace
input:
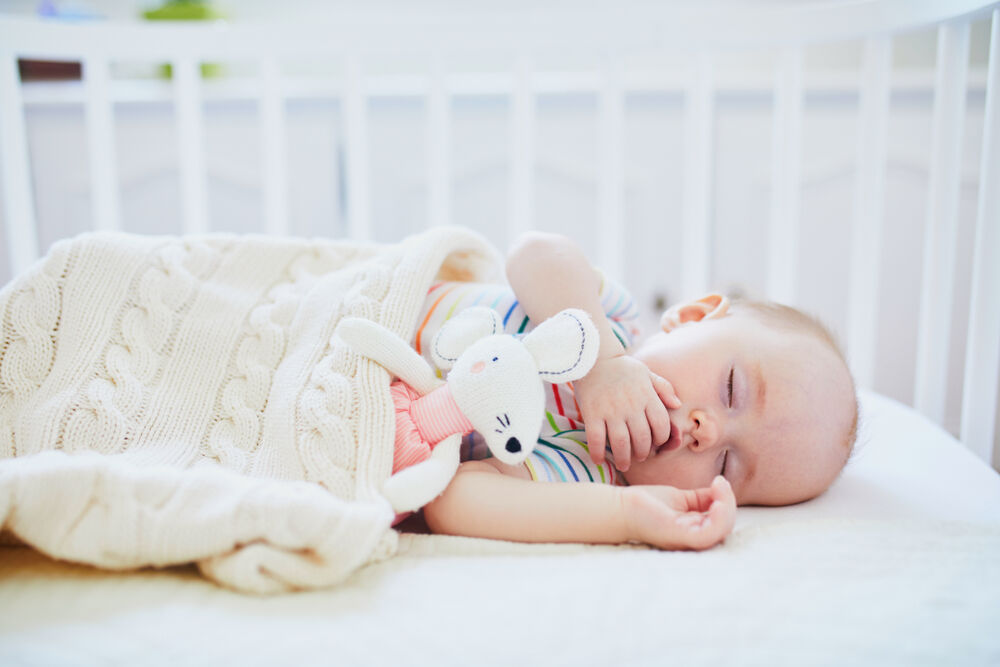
{"x":899,"y":563}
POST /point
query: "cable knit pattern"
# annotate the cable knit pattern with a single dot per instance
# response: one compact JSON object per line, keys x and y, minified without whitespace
{"x":240,"y":404}
{"x":184,"y":400}
{"x":109,"y":406}
{"x":30,"y":326}
{"x":325,"y":405}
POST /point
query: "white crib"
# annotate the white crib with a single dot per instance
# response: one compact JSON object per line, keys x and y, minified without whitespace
{"x":931,"y":305}
{"x":442,"y":55}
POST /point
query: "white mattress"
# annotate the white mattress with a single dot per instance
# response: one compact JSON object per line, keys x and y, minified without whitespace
{"x":898,"y":563}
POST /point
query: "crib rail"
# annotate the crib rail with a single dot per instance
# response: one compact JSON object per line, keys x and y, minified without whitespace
{"x":610,"y":36}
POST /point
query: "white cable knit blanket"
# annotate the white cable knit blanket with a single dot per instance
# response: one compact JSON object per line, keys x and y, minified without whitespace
{"x":166,"y":400}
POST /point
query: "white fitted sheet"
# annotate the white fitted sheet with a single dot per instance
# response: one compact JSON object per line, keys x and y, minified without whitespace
{"x":898,"y":563}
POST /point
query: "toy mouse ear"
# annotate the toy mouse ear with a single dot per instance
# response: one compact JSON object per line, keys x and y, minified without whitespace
{"x":564,"y":346}
{"x":461,"y":331}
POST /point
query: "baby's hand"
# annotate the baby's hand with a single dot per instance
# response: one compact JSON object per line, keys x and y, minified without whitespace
{"x":670,"y":518}
{"x":625,"y":404}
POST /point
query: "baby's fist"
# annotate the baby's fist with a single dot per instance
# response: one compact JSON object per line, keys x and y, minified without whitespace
{"x":671,"y":518}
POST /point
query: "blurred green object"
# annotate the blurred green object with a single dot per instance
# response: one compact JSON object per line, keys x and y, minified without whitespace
{"x":186,"y":10}
{"x":182,"y":10}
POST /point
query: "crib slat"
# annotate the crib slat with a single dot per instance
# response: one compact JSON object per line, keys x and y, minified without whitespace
{"x":611,"y":176}
{"x":699,"y":117}
{"x":869,"y":202}
{"x":786,"y":147}
{"x":19,"y":205}
{"x":982,"y":352}
{"x":101,"y":145}
{"x":273,"y":148}
{"x":438,"y":146}
{"x":934,"y":327}
{"x":522,"y":146}
{"x":187,"y":96}
{"x":355,"y":117}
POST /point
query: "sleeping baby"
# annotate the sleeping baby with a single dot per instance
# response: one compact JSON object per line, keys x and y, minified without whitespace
{"x":730,"y":403}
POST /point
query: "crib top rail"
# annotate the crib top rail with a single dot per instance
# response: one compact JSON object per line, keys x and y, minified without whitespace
{"x":595,"y":28}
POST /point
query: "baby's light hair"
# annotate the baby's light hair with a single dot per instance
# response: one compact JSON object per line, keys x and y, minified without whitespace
{"x":792,"y":319}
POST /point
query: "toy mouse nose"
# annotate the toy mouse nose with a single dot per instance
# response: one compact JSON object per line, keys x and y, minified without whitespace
{"x":513,"y":446}
{"x":478,"y":366}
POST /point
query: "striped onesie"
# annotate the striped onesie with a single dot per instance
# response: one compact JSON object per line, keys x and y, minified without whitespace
{"x":561,"y":454}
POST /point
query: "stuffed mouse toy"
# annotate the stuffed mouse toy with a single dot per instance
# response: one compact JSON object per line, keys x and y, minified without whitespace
{"x":495,"y":386}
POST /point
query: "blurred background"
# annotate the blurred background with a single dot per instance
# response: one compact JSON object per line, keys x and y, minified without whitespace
{"x":567,"y":160}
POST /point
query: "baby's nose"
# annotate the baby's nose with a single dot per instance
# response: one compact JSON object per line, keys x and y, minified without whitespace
{"x":703,"y":429}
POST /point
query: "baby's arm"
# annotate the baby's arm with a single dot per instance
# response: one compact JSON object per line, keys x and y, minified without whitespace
{"x":621,"y":401}
{"x":483,"y":502}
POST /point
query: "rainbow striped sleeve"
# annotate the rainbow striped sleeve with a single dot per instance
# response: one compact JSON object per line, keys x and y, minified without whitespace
{"x":621,"y":310}
{"x":444,"y":300}
{"x":564,"y":457}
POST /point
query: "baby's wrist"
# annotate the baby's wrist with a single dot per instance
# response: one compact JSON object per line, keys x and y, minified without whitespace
{"x":611,"y":345}
{"x":626,"y":510}
{"x":611,"y":358}
{"x":610,"y":348}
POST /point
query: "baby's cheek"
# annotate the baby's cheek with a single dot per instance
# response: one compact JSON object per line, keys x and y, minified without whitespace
{"x":682,"y":472}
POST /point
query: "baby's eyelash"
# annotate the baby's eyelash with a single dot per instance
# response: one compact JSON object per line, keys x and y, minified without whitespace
{"x":730,"y":384}
{"x":725,"y":456}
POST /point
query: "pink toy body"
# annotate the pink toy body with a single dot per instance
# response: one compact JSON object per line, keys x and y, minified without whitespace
{"x":422,"y":422}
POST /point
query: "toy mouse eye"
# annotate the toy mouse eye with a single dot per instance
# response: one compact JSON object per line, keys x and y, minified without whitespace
{"x":495,"y":358}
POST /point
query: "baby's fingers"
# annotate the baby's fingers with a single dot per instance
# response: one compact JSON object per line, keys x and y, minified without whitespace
{"x":665,"y":391}
{"x":638,"y":430}
{"x":695,"y":500}
{"x":659,"y":422}
{"x":596,"y":440}
{"x":702,"y":530}
{"x":723,"y":492}
{"x":621,"y":444}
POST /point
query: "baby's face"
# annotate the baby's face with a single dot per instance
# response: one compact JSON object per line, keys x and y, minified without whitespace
{"x":772,"y":406}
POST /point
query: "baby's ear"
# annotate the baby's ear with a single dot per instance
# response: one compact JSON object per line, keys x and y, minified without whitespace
{"x":564,"y":346}
{"x":461,"y":331}
{"x":707,"y":307}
